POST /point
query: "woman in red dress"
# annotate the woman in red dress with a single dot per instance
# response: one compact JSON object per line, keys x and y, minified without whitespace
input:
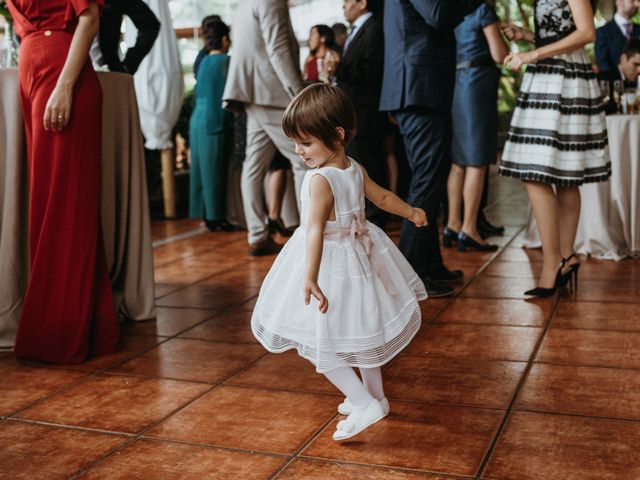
{"x":68,"y":310}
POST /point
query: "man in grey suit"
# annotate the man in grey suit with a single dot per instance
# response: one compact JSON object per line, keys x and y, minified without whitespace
{"x":263,"y":77}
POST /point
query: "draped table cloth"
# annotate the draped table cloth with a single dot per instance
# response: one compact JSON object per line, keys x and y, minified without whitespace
{"x":609,"y":226}
{"x":124,"y":203}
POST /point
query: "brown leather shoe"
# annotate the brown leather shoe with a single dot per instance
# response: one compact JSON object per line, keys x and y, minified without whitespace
{"x":265,"y":247}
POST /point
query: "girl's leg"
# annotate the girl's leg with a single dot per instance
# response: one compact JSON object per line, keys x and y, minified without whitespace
{"x":545,"y":209}
{"x":372,"y":380}
{"x":454,"y":195}
{"x":473,"y":186}
{"x":346,"y":380}
{"x":568,"y":216}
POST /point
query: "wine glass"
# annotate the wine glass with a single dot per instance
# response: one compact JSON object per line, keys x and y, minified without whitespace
{"x":618,"y":91}
{"x":605,"y":91}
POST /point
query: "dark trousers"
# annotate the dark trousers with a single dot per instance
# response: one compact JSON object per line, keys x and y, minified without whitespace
{"x":368,"y":151}
{"x":427,"y":138}
{"x":109,"y":37}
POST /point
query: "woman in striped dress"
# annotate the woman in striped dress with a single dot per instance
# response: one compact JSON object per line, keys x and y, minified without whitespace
{"x":558,"y":139}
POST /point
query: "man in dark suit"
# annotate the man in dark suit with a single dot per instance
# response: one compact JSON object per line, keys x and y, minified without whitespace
{"x":419,"y":76}
{"x":359,"y":75}
{"x":612,"y":38}
{"x":109,"y":36}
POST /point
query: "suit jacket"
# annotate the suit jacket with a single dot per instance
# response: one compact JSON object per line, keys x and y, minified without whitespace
{"x":420,"y":52}
{"x":264,"y":64}
{"x":610,"y":43}
{"x":359,"y":75}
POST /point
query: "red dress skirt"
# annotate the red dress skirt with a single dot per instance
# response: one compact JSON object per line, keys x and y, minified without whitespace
{"x":68,"y":311}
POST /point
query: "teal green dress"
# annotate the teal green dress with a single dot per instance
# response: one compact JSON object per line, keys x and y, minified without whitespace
{"x":208,"y":178}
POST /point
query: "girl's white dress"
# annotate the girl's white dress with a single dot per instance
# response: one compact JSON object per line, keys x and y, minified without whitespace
{"x":372,"y":290}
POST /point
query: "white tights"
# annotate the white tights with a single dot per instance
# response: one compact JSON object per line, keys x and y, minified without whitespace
{"x":360,"y":393}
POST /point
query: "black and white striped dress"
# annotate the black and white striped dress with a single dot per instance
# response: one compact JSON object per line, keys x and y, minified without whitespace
{"x":558,"y":131}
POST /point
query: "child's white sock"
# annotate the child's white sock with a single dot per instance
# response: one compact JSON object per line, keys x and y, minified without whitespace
{"x":346,"y":380}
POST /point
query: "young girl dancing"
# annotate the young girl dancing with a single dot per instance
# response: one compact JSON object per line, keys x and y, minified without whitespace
{"x":365,"y":308}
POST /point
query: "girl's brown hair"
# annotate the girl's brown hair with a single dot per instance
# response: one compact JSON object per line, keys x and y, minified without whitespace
{"x":319,"y":110}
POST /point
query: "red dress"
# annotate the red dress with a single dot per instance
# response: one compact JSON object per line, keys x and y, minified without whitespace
{"x":68,"y":310}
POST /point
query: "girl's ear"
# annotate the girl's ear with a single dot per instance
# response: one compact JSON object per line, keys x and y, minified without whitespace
{"x":341,"y":133}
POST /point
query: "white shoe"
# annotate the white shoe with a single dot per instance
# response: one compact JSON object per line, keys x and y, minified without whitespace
{"x":358,"y":420}
{"x":345,"y":408}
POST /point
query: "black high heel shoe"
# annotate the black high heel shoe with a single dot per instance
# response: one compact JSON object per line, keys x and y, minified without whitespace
{"x":572,"y":274}
{"x":465,"y":242}
{"x":561,"y":280}
{"x":449,"y":236}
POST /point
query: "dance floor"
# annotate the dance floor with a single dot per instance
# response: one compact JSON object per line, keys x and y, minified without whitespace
{"x":493,"y":386}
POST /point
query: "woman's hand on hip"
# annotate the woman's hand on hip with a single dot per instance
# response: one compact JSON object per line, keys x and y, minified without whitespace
{"x":58,"y":110}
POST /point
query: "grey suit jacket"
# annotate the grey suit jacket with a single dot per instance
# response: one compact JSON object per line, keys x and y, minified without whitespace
{"x":264,"y":59}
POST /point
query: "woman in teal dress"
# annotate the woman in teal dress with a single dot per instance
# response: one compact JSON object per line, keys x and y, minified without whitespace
{"x":208,"y":182}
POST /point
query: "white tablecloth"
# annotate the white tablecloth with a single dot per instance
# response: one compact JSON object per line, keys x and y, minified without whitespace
{"x":609,"y":225}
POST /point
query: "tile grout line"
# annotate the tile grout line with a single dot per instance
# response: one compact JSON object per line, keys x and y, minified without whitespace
{"x":516,"y":393}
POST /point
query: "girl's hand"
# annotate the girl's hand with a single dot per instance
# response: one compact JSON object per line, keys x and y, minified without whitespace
{"x":418,"y":217}
{"x":515,"y":61}
{"x":312,"y":288}
{"x":58,"y":109}
{"x":514,"y":33}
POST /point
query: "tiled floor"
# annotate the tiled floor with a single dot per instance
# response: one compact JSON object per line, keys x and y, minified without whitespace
{"x":493,"y":386}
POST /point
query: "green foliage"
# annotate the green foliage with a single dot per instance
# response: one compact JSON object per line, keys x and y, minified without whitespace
{"x":4,"y":11}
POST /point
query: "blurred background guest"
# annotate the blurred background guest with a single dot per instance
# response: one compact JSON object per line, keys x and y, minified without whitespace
{"x":208,"y":179}
{"x":340,"y":35}
{"x":263,"y":78}
{"x":417,"y":87}
{"x":629,"y":66}
{"x":613,"y":36}
{"x":321,"y":46}
{"x":203,"y":52}
{"x":475,"y":124}
{"x":359,"y":75}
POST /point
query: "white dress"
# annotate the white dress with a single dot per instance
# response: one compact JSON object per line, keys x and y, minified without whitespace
{"x":372,"y":290}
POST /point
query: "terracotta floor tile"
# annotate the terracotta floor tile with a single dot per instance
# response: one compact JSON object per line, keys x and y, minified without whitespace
{"x":589,"y":391}
{"x":216,"y":295}
{"x":498,"y":311}
{"x":170,"y":321}
{"x":513,"y":269}
{"x":514,"y":254}
{"x":250,"y":418}
{"x":421,"y":436}
{"x":448,"y":380}
{"x":233,"y":326}
{"x":431,"y":306}
{"x":538,"y":446}
{"x":492,"y":342}
{"x":268,"y":372}
{"x":182,"y":249}
{"x":608,"y":291}
{"x":597,"y":316}
{"x":22,"y":384}
{"x":622,"y":271}
{"x":130,"y":345}
{"x":32,"y":451}
{"x":115,"y":403}
{"x":500,"y":287}
{"x":591,"y":348}
{"x":155,"y":460}
{"x":194,"y":360}
{"x":319,"y":470}
{"x":160,"y":230}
